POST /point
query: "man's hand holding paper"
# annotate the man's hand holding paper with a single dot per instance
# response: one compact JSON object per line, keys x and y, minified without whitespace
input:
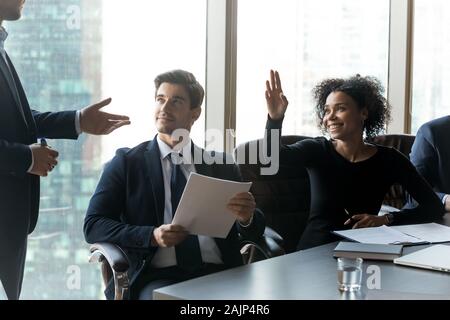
{"x":168,"y":235}
{"x":242,"y":205}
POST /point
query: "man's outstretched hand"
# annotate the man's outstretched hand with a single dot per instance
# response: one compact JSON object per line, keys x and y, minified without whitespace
{"x":97,"y":122}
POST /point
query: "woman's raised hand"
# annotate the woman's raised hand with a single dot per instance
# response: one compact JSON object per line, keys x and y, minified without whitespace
{"x":276,"y":101}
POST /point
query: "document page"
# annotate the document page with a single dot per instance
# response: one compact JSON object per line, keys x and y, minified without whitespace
{"x":429,"y":232}
{"x":203,"y":206}
{"x":378,"y":235}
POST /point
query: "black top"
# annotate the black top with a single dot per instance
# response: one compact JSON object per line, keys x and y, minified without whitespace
{"x":359,"y":187}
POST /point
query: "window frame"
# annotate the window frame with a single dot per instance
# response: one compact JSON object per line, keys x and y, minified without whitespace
{"x":221,"y":66}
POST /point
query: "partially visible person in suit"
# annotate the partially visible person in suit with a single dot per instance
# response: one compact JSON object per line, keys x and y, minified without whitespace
{"x":430,"y":154}
{"x":23,"y":161}
{"x":349,"y":177}
{"x":139,"y":191}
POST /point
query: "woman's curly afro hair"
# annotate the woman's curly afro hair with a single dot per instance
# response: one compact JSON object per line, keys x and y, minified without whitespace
{"x":366,"y":92}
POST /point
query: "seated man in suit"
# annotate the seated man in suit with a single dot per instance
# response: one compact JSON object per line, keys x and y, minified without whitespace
{"x":140,"y":188}
{"x":431,"y":155}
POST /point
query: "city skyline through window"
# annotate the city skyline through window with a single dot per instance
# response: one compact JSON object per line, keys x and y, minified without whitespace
{"x":71,"y":54}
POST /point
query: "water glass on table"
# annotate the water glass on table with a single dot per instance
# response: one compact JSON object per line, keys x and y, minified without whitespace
{"x":349,"y":273}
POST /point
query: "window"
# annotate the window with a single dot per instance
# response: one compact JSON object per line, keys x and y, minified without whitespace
{"x":306,"y":41}
{"x":74,"y":53}
{"x":431,"y":81}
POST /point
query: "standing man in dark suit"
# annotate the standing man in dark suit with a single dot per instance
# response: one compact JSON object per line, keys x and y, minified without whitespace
{"x":22,"y":161}
{"x":139,"y":191}
{"x":431,"y":155}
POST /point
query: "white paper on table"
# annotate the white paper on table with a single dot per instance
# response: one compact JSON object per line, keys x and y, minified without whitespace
{"x":429,"y":232}
{"x":203,"y":206}
{"x":378,"y":235}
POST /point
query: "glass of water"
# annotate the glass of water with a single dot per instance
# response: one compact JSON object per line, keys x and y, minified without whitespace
{"x":349,"y":274}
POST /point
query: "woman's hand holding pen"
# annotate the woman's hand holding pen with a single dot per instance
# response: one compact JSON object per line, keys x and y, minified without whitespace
{"x":365,"y":220}
{"x":44,"y":158}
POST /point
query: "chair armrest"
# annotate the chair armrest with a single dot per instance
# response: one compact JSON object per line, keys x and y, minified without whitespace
{"x":114,"y":263}
{"x":270,"y":233}
{"x":117,"y":259}
{"x":268,"y":246}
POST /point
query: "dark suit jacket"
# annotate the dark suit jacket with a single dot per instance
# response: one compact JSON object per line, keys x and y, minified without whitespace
{"x":431,"y":154}
{"x":19,"y":191}
{"x":129,"y":203}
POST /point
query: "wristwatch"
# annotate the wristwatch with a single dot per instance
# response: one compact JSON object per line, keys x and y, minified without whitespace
{"x":389,"y":218}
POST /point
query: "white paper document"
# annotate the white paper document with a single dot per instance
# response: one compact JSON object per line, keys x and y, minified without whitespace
{"x":203,"y":206}
{"x":429,"y":232}
{"x":378,"y":235}
{"x":408,"y":234}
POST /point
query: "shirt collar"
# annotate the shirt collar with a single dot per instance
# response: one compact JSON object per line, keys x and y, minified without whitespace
{"x":3,"y":36}
{"x":166,"y":150}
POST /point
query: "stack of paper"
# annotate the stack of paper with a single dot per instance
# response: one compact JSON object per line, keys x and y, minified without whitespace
{"x":408,"y":234}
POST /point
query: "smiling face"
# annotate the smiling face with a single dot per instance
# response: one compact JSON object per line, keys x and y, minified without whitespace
{"x":343,"y":117}
{"x":173,"y":109}
{"x":11,"y":9}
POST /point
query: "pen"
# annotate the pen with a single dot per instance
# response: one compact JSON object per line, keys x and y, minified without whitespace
{"x":350,"y":216}
{"x":43,"y":142}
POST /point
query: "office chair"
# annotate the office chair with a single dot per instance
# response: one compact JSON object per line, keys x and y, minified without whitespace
{"x":284,"y":197}
{"x":397,"y":196}
{"x":115,"y":263}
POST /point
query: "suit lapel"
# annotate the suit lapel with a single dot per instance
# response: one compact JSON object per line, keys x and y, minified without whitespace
{"x":8,"y":75}
{"x":154,"y":174}
{"x":29,"y":119}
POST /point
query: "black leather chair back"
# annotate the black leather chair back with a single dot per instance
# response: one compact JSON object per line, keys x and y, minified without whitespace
{"x":284,"y":197}
{"x":396,"y":197}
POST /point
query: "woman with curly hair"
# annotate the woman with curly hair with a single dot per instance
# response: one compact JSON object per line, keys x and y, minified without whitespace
{"x":349,"y":177}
